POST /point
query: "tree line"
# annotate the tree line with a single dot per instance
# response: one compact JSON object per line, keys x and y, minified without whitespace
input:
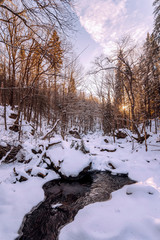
{"x":128,"y":83}
{"x":41,"y":78}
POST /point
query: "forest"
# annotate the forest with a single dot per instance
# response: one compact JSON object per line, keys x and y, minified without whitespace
{"x":41,"y":77}
{"x":79,"y":147}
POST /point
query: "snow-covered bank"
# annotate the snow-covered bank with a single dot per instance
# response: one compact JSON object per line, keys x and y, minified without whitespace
{"x":15,"y":201}
{"x":133,"y":213}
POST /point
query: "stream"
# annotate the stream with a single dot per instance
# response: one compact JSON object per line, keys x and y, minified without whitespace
{"x":63,"y":199}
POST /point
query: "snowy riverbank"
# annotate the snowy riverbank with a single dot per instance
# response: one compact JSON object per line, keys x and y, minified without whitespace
{"x":133,"y":212}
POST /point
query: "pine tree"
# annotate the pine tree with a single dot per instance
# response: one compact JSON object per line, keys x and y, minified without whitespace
{"x":156,"y":13}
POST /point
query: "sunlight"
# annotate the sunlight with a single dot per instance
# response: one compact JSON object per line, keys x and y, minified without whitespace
{"x":150,"y":182}
{"x":124,"y":107}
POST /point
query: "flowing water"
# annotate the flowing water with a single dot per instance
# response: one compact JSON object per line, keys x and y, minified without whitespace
{"x":63,"y":199}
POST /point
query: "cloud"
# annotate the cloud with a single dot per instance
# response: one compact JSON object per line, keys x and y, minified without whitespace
{"x":108,"y":20}
{"x":94,"y":17}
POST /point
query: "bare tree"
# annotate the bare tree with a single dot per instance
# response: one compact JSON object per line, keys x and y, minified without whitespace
{"x":44,"y":14}
{"x":124,"y":63}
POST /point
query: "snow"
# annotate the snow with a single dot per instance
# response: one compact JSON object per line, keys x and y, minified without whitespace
{"x":126,"y":217}
{"x":37,"y":170}
{"x":71,"y":161}
{"x":132,"y":213}
{"x":17,"y":199}
{"x":56,"y":205}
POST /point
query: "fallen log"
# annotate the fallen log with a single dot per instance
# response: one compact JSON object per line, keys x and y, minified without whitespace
{"x":52,"y":130}
{"x":52,"y":144}
{"x":11,"y":157}
{"x":4,"y":150}
{"x":141,"y":139}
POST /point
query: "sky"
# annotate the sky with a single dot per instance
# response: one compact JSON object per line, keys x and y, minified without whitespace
{"x":103,"y":22}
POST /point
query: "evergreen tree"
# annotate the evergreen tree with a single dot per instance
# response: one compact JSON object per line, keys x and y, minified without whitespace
{"x":150,"y":77}
{"x":156,"y":12}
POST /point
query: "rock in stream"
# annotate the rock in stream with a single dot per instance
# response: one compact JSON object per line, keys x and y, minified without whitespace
{"x":63,"y":199}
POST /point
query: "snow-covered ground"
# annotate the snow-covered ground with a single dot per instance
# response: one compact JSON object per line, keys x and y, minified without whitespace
{"x":133,"y":212}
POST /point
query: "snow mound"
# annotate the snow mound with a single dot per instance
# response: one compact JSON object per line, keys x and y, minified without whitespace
{"x":70,"y":161}
{"x":123,"y":217}
{"x":140,"y":190}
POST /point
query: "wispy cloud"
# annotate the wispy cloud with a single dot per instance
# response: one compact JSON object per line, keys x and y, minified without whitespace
{"x":108,"y":20}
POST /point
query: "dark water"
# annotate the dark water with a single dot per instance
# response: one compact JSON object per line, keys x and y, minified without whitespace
{"x":45,"y":221}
